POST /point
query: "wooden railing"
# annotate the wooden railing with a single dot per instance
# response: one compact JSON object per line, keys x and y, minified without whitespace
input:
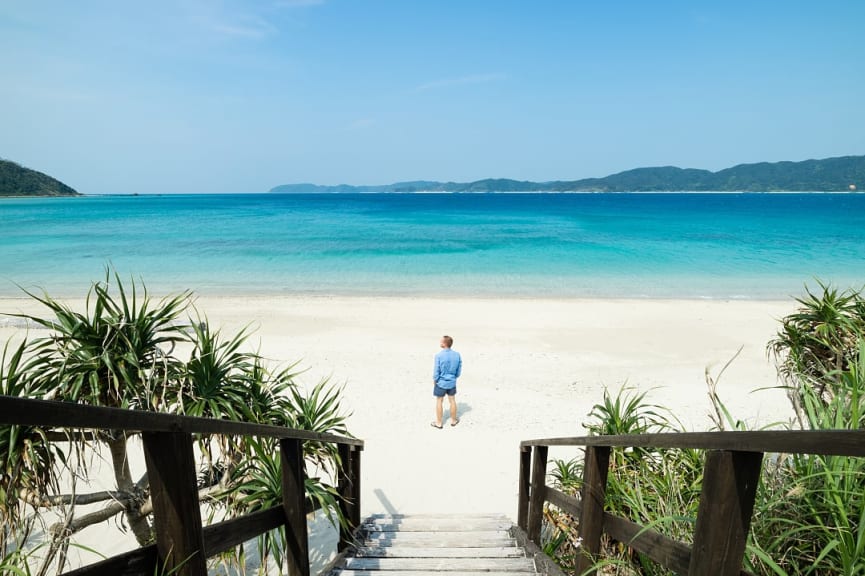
{"x":182,"y":543}
{"x":730,"y":476}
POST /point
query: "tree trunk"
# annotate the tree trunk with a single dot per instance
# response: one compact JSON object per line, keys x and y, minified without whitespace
{"x":123,"y":476}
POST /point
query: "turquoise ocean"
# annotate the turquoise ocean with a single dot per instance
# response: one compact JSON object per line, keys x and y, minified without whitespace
{"x":719,"y":246}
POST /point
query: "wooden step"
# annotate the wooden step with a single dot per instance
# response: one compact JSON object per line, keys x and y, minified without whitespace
{"x":437,"y":545}
{"x":442,"y":564}
{"x":415,"y":524}
{"x":427,"y":573}
{"x":437,"y":540}
{"x":439,"y":516}
{"x":416,"y":552}
{"x":429,"y":535}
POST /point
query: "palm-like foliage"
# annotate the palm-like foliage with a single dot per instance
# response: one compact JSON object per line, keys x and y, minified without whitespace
{"x":820,"y":338}
{"x":113,"y":354}
{"x":122,"y":351}
{"x":26,"y":458}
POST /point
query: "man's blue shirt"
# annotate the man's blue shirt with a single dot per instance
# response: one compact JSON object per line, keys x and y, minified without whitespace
{"x":447,"y":368}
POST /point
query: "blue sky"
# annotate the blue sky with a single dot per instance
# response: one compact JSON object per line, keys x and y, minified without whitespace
{"x":239,"y":96}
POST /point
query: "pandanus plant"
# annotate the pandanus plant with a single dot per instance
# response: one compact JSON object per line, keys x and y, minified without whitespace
{"x":128,"y":350}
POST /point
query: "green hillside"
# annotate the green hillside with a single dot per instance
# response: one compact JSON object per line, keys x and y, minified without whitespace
{"x":16,"y":180}
{"x":841,"y":174}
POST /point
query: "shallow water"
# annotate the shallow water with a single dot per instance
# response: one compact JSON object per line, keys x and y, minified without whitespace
{"x":586,"y":245}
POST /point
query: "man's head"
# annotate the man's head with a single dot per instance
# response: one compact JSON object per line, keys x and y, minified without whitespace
{"x":446,"y":342}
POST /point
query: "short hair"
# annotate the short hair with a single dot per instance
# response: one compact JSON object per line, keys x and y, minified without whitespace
{"x":448,"y":340}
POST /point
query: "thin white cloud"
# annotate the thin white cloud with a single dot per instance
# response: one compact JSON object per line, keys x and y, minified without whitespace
{"x":298,"y":3}
{"x":228,"y":20}
{"x":245,"y":31}
{"x":361,"y":123}
{"x":460,"y":81}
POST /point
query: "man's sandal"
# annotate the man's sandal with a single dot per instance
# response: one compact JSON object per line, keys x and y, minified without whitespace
{"x":434,"y":425}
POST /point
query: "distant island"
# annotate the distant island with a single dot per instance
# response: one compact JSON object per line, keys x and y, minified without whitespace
{"x":842,"y":174}
{"x":16,"y":180}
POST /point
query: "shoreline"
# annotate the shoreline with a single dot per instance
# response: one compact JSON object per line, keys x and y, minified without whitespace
{"x":248,"y":294}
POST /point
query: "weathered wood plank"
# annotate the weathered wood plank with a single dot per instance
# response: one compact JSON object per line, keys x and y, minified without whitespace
{"x":355,"y":478}
{"x":724,"y":515}
{"x":452,"y":525}
{"x":490,"y":534}
{"x":427,"y":516}
{"x":458,"y":552}
{"x":345,"y":492}
{"x":564,"y":502}
{"x":825,"y":442}
{"x":466,"y":540}
{"x":428,"y":573}
{"x":176,"y":512}
{"x":537,"y":493}
{"x":443,"y":564}
{"x":226,"y":535}
{"x":524,"y":481}
{"x":667,"y":552}
{"x":54,"y":414}
{"x":140,"y":562}
{"x":597,"y":463}
{"x":293,"y":503}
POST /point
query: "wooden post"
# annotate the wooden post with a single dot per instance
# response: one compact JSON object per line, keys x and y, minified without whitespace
{"x":724,"y":516}
{"x":294,"y":504}
{"x":345,"y":502}
{"x":536,"y":494}
{"x":525,"y":481}
{"x":174,"y":492}
{"x":355,"y":485}
{"x":595,"y":469}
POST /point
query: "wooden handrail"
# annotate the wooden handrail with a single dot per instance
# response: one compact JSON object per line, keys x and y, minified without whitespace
{"x":182,"y":543}
{"x":53,"y":414}
{"x":822,"y":442}
{"x":730,"y":477}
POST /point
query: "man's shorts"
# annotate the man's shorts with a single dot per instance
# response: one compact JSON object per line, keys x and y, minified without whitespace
{"x":439,"y":392}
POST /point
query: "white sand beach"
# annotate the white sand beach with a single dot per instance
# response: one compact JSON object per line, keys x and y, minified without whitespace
{"x":532,"y":368}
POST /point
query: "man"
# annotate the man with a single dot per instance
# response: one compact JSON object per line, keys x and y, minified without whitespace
{"x":447,"y":368}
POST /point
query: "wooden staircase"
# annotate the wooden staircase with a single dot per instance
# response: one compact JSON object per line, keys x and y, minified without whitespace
{"x":436,"y":545}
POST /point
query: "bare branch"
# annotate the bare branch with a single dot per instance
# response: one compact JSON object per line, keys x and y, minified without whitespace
{"x":74,"y":499}
{"x":82,"y":522}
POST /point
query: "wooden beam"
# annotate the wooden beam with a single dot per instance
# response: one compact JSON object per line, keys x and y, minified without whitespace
{"x":138,"y":562}
{"x":174,"y":492}
{"x":524,"y":487}
{"x":225,"y":535}
{"x":537,"y":493}
{"x":724,"y":515}
{"x":294,"y":504}
{"x":54,"y":414}
{"x":217,"y":538}
{"x":671,"y":554}
{"x":345,"y":503}
{"x":564,"y":502}
{"x":355,"y":478}
{"x":595,"y":469}
{"x":825,"y":442}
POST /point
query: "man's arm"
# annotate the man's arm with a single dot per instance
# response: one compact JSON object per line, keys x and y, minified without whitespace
{"x":436,"y":370}
{"x":459,"y":367}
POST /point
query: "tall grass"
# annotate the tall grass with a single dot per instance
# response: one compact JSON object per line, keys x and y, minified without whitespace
{"x":809,"y":518}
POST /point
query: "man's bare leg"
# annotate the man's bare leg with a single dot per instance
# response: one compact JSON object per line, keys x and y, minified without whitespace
{"x":439,"y":410}
{"x":453,"y":401}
